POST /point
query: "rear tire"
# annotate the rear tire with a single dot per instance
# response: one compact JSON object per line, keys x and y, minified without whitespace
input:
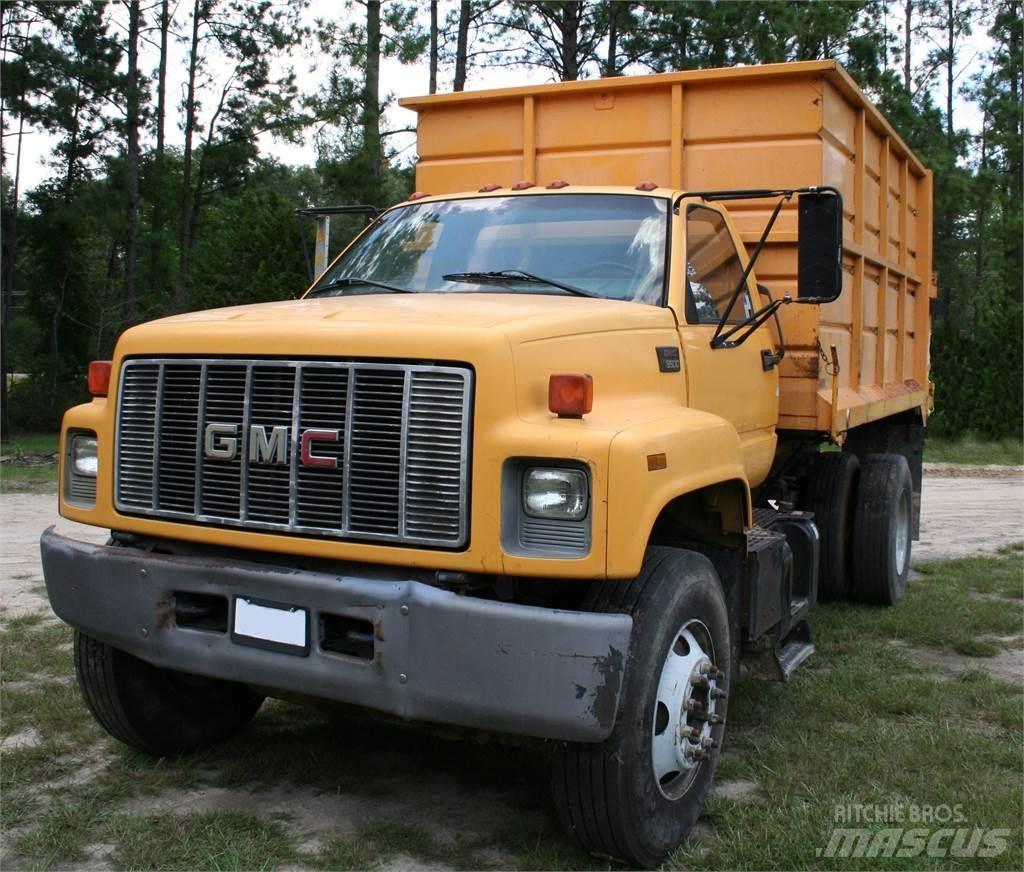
{"x":159,"y":711}
{"x":829,"y":492}
{"x":609,"y":796}
{"x":882,"y":525}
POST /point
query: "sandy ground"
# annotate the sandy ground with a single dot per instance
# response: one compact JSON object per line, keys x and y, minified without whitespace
{"x":969,"y":510}
{"x":966,"y":510}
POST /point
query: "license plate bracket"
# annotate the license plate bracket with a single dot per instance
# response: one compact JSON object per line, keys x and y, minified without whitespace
{"x":270,"y":625}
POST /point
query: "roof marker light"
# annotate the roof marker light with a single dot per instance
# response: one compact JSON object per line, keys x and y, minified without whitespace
{"x":646,"y":186}
{"x":558,"y":183}
{"x":486,"y":189}
{"x":417,"y":195}
{"x":522,"y":186}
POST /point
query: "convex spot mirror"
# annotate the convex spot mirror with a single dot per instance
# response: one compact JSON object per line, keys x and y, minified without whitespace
{"x":820,"y":247}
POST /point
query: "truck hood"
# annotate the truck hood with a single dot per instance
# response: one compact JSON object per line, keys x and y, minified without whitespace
{"x":521,"y":316}
{"x":513,"y":341}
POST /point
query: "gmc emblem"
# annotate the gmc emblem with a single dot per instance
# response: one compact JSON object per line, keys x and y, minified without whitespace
{"x":267,"y":445}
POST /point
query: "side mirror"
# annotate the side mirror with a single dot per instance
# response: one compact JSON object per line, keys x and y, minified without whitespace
{"x":820,"y":246}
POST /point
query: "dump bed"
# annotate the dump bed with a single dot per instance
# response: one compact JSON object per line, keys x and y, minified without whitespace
{"x":779,"y":125}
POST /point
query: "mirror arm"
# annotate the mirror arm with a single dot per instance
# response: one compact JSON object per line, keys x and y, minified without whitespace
{"x":749,"y":325}
{"x":771,"y":359}
{"x":786,"y":195}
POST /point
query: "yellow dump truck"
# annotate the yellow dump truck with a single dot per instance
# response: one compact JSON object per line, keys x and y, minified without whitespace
{"x":637,"y":375}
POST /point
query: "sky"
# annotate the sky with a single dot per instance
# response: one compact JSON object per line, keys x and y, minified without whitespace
{"x":396,"y":79}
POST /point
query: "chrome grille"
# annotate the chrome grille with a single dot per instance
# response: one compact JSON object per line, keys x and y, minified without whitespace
{"x":400,"y":459}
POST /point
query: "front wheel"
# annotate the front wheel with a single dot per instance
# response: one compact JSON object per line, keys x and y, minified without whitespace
{"x":159,"y":711}
{"x":636,"y":795}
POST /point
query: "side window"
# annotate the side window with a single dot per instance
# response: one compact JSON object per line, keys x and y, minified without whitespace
{"x":713,"y":269}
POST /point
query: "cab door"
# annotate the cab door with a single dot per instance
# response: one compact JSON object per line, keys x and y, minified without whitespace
{"x":731,"y":382}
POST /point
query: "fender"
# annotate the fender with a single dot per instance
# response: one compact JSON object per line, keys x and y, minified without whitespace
{"x":655,"y":462}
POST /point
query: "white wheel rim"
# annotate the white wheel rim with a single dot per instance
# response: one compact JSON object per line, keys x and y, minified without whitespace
{"x":901,"y":540}
{"x":685,"y":711}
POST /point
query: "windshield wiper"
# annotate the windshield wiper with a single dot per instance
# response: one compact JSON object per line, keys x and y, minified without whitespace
{"x":349,"y":281}
{"x":503,"y":276}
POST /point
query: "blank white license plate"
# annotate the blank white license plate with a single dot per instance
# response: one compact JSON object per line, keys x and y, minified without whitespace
{"x":270,"y":625}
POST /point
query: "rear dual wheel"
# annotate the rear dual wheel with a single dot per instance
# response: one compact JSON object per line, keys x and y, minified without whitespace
{"x":829,"y":492}
{"x":863,"y":511}
{"x":882,"y":524}
{"x":636,"y":795}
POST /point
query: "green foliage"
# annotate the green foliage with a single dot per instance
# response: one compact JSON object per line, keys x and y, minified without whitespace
{"x":216,"y":223}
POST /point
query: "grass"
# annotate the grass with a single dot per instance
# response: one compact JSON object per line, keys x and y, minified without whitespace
{"x":970,"y":449}
{"x":864,"y":721}
{"x":32,"y":443}
{"x":33,"y":470}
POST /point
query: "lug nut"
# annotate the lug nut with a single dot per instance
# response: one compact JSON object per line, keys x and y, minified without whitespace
{"x":718,"y":693}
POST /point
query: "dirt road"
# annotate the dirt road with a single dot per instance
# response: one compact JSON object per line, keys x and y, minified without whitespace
{"x":966,"y":510}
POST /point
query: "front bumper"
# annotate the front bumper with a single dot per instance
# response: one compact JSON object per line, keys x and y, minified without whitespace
{"x":437,"y":656}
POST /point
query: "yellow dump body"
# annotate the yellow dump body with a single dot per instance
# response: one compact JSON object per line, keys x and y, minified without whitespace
{"x":774,"y":126}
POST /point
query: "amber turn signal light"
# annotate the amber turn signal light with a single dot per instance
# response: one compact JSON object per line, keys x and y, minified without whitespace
{"x":99,"y":377}
{"x":570,"y":394}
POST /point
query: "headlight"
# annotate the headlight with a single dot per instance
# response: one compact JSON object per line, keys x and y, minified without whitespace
{"x":84,"y":459}
{"x":559,"y":494}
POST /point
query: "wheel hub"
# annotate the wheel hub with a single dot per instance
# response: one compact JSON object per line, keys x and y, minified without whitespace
{"x":901,"y":539}
{"x":687,"y":710}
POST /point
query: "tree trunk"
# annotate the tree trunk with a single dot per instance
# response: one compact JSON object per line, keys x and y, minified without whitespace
{"x":950,"y":67}
{"x":981,"y":180}
{"x":1015,"y":160}
{"x":570,"y":25}
{"x":371,"y":90}
{"x":181,"y":286}
{"x":157,"y":222}
{"x":131,"y":254}
{"x":462,"y":46}
{"x":433,"y":46}
{"x":9,"y":247}
{"x":908,"y":14}
{"x":613,"y":40}
{"x":10,"y":244}
{"x":69,"y":169}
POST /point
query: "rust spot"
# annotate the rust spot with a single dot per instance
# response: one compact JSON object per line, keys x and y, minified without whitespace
{"x":605,"y":698}
{"x":804,"y":366}
{"x":164,"y":616}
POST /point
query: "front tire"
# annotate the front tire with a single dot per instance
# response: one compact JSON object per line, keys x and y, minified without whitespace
{"x":637,"y":795}
{"x":159,"y":711}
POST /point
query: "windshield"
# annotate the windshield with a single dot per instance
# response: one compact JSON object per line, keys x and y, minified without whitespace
{"x":604,"y":245}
